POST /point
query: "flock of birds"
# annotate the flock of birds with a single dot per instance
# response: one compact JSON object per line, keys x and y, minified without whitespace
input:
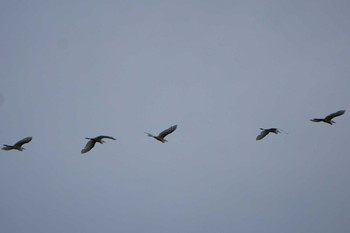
{"x":92,"y":141}
{"x":327,"y":119}
{"x":161,"y":136}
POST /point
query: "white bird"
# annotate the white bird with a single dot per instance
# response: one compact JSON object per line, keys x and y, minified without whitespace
{"x":163,"y":134}
{"x":265,"y":132}
{"x":328,"y":119}
{"x":18,"y":145}
{"x":92,"y":141}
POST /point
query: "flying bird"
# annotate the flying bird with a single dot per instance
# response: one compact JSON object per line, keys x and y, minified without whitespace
{"x":18,"y":145}
{"x":265,"y":132}
{"x":163,"y":134}
{"x":92,"y":141}
{"x":328,"y":119}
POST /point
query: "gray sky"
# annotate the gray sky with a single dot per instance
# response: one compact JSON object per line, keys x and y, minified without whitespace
{"x":218,"y":69}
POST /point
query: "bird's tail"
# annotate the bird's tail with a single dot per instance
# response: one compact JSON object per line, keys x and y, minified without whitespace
{"x":7,"y":147}
{"x":316,"y":120}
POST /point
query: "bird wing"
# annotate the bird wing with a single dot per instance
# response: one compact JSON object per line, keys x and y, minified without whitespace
{"x":262,"y":134}
{"x":23,"y":141}
{"x":89,"y":145}
{"x":331,"y":116}
{"x":164,"y":133}
{"x":104,"y":136}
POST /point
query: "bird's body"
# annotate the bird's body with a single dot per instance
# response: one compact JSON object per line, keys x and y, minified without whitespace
{"x":265,"y":132}
{"x":328,"y":119}
{"x":18,"y":145}
{"x":92,"y":141}
{"x":163,"y":134}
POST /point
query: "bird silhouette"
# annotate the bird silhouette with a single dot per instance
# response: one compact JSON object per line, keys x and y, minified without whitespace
{"x":92,"y":141}
{"x":265,"y":132}
{"x":328,"y":119}
{"x":163,"y":134}
{"x":18,"y":145}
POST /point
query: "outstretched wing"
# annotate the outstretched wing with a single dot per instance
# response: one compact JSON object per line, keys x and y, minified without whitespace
{"x":262,"y":135}
{"x":164,"y":133}
{"x":104,"y":136}
{"x":89,"y":145}
{"x":331,"y":116}
{"x":23,"y":141}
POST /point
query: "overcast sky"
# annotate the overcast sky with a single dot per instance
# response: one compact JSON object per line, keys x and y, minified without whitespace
{"x":218,"y":69}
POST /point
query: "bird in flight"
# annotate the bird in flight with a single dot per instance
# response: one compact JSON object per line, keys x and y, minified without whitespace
{"x":328,"y":119}
{"x":92,"y":141}
{"x":265,"y":132}
{"x":163,"y":134}
{"x":18,"y":145}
